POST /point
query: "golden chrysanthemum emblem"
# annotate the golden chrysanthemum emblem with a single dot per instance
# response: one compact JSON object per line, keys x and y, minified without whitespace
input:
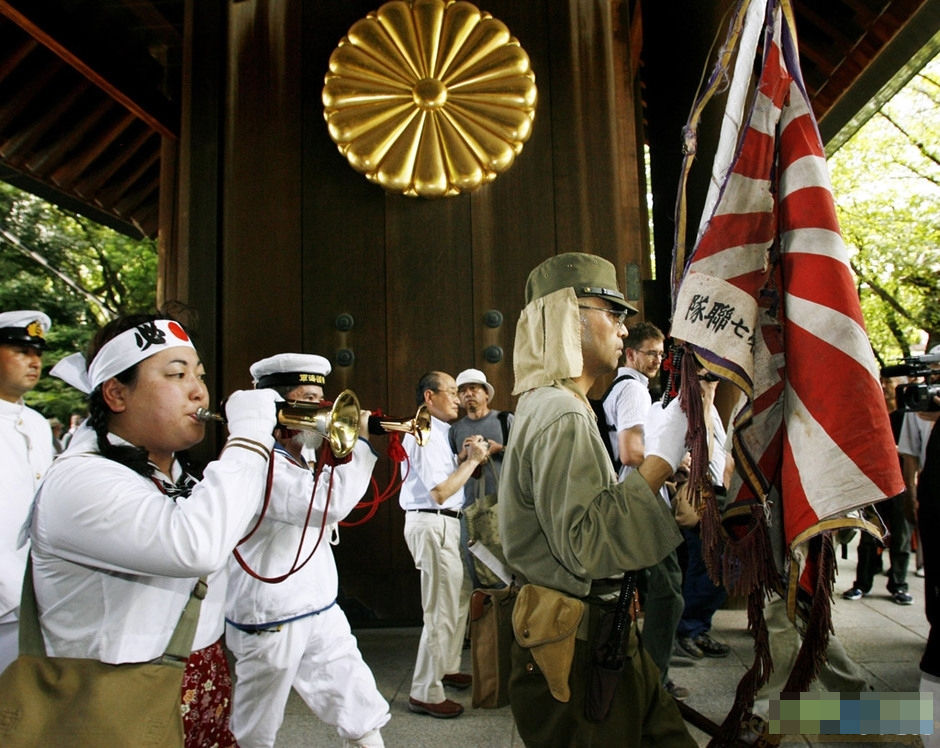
{"x":429,"y":97}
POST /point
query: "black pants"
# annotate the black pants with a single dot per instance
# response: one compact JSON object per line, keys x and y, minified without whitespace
{"x":928,"y":517}
{"x":899,"y":548}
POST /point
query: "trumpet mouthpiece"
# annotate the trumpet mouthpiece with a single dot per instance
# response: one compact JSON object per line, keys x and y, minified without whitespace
{"x":204,"y":414}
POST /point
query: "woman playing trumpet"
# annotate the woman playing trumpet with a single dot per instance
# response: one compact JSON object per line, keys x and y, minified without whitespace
{"x":123,"y":526}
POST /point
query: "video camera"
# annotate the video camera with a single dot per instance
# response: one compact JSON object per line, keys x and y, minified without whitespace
{"x":916,"y":395}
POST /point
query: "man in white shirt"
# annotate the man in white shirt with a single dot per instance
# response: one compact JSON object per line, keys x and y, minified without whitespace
{"x":25,"y":454}
{"x":627,"y":407}
{"x":628,"y":401}
{"x":432,"y":497}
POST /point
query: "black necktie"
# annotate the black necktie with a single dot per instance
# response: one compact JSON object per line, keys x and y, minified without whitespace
{"x":179,"y":490}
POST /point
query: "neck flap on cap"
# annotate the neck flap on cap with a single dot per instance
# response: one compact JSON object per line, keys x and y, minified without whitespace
{"x":547,"y":346}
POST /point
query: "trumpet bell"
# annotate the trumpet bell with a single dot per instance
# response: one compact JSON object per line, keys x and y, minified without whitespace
{"x":419,"y":426}
{"x":338,"y":423}
{"x":422,"y":426}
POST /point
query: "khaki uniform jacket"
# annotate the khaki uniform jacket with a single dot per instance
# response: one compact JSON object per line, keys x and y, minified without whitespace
{"x":564,"y":520}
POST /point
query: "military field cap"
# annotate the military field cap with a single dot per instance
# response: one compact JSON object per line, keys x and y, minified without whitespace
{"x":290,"y":370}
{"x":24,"y":327}
{"x":588,"y":275}
{"x":475,"y":376}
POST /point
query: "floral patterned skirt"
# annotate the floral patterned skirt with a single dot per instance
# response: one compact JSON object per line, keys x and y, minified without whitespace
{"x":207,"y":699}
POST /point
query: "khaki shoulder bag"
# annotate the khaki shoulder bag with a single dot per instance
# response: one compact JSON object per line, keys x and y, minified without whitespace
{"x":84,"y":703}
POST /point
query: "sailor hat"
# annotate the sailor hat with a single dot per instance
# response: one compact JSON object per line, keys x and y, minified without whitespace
{"x":290,"y":369}
{"x":24,"y":327}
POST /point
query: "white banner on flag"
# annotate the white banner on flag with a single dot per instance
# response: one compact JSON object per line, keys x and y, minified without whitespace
{"x":717,"y":316}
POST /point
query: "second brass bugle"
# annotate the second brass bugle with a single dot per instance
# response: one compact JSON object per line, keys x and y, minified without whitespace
{"x":337,"y":422}
{"x":419,"y":426}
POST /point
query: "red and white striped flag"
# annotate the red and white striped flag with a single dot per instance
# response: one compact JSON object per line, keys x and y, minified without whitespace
{"x":767,"y":301}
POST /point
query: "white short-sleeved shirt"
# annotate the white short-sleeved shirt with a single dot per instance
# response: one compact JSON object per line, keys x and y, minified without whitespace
{"x":915,"y":432}
{"x":272,"y":549}
{"x":627,"y":405}
{"x":427,"y":467}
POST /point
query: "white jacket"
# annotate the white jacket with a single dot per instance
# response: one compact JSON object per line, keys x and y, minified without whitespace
{"x":272,"y":549}
{"x":25,"y":455}
{"x":114,"y":559}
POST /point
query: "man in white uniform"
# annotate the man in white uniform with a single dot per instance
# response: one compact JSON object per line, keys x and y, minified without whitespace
{"x":25,"y":453}
{"x":293,"y":633}
{"x":432,"y":497}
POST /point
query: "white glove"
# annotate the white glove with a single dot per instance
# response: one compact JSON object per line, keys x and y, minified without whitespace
{"x":665,"y":431}
{"x":252,"y":414}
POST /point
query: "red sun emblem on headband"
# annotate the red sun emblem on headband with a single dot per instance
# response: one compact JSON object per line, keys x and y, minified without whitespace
{"x":177,"y":331}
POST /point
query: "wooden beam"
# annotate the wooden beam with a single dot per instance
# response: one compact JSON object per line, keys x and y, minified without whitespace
{"x":24,"y":140}
{"x":12,"y":61}
{"x":42,"y":162}
{"x":82,"y":67}
{"x":89,"y":186}
{"x":22,"y":98}
{"x":122,"y":197}
{"x":73,"y":169}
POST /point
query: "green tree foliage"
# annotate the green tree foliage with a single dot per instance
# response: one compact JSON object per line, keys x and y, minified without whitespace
{"x":78,"y":272}
{"x":886,"y":180}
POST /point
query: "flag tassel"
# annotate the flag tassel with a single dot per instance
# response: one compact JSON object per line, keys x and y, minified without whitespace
{"x":818,"y":624}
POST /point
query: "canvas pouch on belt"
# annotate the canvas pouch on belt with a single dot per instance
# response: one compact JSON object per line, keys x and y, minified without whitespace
{"x":547,"y":622}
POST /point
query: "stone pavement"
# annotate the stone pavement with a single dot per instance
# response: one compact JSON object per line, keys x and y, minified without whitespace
{"x":885,"y":639}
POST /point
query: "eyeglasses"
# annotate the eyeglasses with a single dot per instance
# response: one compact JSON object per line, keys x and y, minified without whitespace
{"x":653,"y":354}
{"x":618,"y":317}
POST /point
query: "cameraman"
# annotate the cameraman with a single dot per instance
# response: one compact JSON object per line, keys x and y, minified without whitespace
{"x":920,"y":448}
{"x":915,"y":434}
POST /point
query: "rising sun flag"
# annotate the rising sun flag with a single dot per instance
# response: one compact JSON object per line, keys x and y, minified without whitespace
{"x":766,"y":301}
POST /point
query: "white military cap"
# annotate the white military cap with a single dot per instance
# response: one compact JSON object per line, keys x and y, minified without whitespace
{"x":287,"y":369}
{"x":475,"y":376}
{"x":24,"y":327}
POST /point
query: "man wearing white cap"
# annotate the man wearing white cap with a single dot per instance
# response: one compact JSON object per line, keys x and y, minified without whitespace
{"x":25,"y":453}
{"x":475,"y":395}
{"x":293,"y":633}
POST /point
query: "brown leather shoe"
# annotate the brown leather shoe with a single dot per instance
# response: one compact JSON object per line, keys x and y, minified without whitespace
{"x":457,"y":680}
{"x":444,"y":710}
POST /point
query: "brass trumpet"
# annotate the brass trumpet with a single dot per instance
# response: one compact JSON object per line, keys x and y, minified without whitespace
{"x":337,"y":423}
{"x":419,"y":426}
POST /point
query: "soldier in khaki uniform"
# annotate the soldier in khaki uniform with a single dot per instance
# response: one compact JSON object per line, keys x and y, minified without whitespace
{"x":568,"y":528}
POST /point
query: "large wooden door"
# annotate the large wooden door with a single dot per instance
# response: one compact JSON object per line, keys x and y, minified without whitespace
{"x":314,"y":258}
